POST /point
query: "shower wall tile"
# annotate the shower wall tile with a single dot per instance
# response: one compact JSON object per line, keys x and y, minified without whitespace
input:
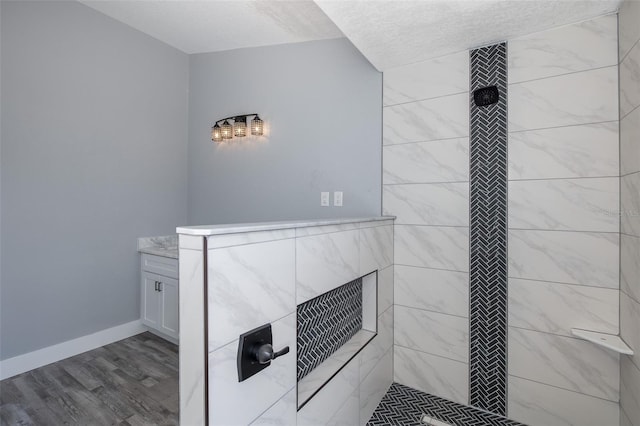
{"x":629,"y":30}
{"x":440,"y":118}
{"x":267,"y":293}
{"x":431,"y":332}
{"x":630,"y":325}
{"x":624,"y":419}
{"x":580,"y":98}
{"x":629,"y":144}
{"x":585,"y":258}
{"x":565,"y":362}
{"x":536,"y":404}
{"x":630,"y":388}
{"x":630,"y":81}
{"x":579,"y":47}
{"x":588,"y":150}
{"x":375,"y":385}
{"x":321,"y":409}
{"x":380,"y":345}
{"x":282,"y":413}
{"x":376,"y":248}
{"x":436,"y":247}
{"x":437,"y":77}
{"x":432,"y":289}
{"x":427,"y":162}
{"x":557,"y":308}
{"x":432,"y":374}
{"x":385,"y":288}
{"x":565,"y":204}
{"x":324,"y":262}
{"x":445,"y":204}
{"x":226,"y":398}
{"x":630,"y":215}
{"x":630,"y":266}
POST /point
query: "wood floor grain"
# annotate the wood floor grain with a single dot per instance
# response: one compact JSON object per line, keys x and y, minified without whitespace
{"x":130,"y":382}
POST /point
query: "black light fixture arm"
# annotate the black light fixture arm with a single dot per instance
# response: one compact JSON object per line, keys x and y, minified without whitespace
{"x":235,"y":117}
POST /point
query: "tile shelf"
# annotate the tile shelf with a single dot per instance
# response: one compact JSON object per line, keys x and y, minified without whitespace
{"x":610,"y":341}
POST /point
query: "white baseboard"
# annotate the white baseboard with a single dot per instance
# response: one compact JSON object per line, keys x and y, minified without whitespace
{"x":26,"y":362}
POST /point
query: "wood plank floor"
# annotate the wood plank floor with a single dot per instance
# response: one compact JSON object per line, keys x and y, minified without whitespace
{"x":130,"y":382}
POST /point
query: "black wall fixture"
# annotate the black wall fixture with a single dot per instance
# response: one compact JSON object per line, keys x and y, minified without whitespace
{"x":255,"y":351}
{"x":488,"y":230}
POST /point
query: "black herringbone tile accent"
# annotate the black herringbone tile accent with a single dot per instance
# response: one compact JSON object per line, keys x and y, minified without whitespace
{"x":326,"y":323}
{"x":488,"y":234}
{"x":404,"y":406}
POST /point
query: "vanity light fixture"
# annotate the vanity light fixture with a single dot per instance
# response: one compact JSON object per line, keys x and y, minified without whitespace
{"x":226,"y":130}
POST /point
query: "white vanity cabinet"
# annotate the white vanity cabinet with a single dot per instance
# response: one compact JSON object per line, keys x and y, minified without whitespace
{"x":159,"y":295}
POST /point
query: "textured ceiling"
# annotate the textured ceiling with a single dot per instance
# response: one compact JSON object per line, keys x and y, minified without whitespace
{"x":214,"y":25}
{"x":391,"y":33}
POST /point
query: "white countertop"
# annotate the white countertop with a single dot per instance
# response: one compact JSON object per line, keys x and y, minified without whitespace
{"x":235,"y":228}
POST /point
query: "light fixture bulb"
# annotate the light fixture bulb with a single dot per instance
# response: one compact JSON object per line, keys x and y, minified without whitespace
{"x":226,"y":130}
{"x":240,"y":127}
{"x":216,"y":133}
{"x":257,"y":126}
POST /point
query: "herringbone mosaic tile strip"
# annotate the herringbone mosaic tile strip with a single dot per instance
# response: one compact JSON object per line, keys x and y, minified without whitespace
{"x":326,"y":323}
{"x":488,"y":234}
{"x":405,"y":406}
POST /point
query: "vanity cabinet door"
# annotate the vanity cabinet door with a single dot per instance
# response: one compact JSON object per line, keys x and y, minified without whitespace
{"x":169,"y":306}
{"x":150,"y":308}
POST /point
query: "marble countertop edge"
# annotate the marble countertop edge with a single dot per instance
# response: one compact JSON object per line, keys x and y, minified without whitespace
{"x":236,"y":228}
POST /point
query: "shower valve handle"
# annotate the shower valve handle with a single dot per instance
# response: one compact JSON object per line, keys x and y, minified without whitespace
{"x":265,"y":354}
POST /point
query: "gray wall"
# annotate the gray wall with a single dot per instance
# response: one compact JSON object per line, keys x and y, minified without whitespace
{"x":322,"y":102}
{"x":94,"y":128}
{"x":629,"y":54}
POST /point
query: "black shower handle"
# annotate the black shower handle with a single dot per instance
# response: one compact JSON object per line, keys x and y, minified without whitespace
{"x":265,"y":354}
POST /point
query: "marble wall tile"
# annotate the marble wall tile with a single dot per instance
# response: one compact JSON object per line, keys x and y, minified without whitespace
{"x":629,"y":30}
{"x":374,"y":386}
{"x":441,"y":76}
{"x":282,"y":413}
{"x":432,"y":332}
{"x":426,"y":162}
{"x":229,"y":240}
{"x":580,"y":98}
{"x":348,"y":414}
{"x":432,"y":289}
{"x":432,"y":374}
{"x":326,"y":229}
{"x":629,"y":143}
{"x":536,"y":404}
{"x":630,"y":204}
{"x":578,"y":47}
{"x":190,"y":242}
{"x":249,"y":286}
{"x":327,"y":402}
{"x":370,"y":302}
{"x":587,"y":150}
{"x":324,"y":262}
{"x":227,"y":395}
{"x":376,"y":248}
{"x":630,"y":325}
{"x":557,"y":308}
{"x":445,"y":204}
{"x":375,"y":350}
{"x":585,"y":258}
{"x":565,"y":362}
{"x":192,"y":351}
{"x":630,"y":81}
{"x":565,"y":204}
{"x":436,"y":247}
{"x":624,"y":419}
{"x":630,"y":266}
{"x":385,"y":289}
{"x":630,"y":389}
{"x":440,"y":118}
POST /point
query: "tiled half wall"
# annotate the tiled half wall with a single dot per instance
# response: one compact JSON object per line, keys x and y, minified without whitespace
{"x":563,"y":226}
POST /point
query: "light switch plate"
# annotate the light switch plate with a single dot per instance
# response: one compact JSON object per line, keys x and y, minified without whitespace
{"x":324,"y":199}
{"x":337,"y":198}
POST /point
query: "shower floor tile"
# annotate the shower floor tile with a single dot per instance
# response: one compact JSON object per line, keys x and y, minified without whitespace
{"x":405,"y":406}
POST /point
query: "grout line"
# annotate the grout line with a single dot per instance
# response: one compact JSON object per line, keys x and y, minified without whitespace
{"x":561,"y":283}
{"x":431,"y":354}
{"x":429,"y":310}
{"x":564,"y":74}
{"x":424,"y":141}
{"x":630,"y":112}
{"x":630,"y":174}
{"x":463,"y":92}
{"x":562,"y":127}
{"x":427,"y":183}
{"x":564,"y":178}
{"x":555,"y":334}
{"x":565,"y":230}
{"x":628,"y":51}
{"x":565,"y":389}
{"x":633,"y":299}
{"x":428,"y":267}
